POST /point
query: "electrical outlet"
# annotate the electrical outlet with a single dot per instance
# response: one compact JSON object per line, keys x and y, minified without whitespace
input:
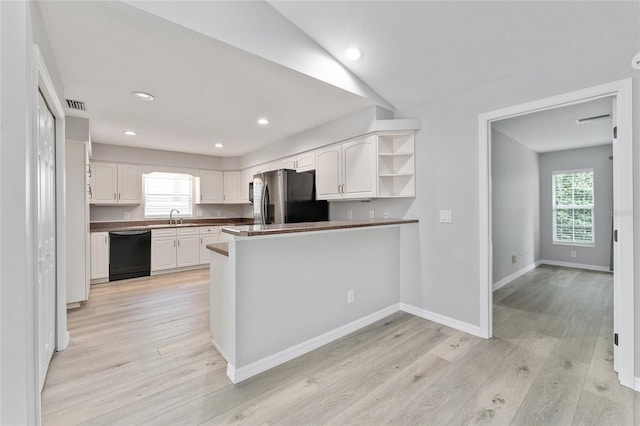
{"x":385,"y":214}
{"x":126,"y":215}
{"x":573,"y":253}
{"x":446,"y":216}
{"x":349,"y":214}
{"x":219,"y":213}
{"x":372,"y":214}
{"x":514,"y":258}
{"x":351,"y":296}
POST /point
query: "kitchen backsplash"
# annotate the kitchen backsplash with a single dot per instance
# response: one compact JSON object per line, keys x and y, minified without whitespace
{"x":113,"y":213}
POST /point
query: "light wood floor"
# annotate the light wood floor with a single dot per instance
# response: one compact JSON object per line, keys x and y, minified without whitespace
{"x":140,"y":353}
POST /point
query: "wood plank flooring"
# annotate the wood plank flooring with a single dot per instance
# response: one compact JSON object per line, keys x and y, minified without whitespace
{"x":140,"y":353}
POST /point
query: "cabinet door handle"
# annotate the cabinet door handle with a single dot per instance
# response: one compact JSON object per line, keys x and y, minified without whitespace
{"x":174,"y":243}
{"x":200,"y":241}
{"x":105,"y":239}
{"x":114,"y":196}
{"x":118,"y":195}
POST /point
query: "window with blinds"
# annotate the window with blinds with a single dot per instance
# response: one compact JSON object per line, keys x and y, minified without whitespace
{"x":573,"y":207}
{"x":166,"y":191}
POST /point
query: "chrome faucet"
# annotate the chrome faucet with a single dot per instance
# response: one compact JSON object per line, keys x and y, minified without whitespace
{"x":171,"y":216}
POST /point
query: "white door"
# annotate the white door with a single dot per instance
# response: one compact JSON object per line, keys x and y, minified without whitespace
{"x":188,"y":250}
{"x":360,"y":172}
{"x":104,"y":183}
{"x":46,"y":207}
{"x":328,"y":173}
{"x":129,"y":184}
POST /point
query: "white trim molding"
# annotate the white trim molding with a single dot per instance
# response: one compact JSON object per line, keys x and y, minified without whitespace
{"x":242,"y":373}
{"x":575,"y":265}
{"x":624,"y":316}
{"x":506,"y":280}
{"x":441,"y":319}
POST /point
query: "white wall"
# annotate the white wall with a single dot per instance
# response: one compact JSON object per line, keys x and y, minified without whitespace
{"x":515,"y":205}
{"x":445,"y":257}
{"x":596,"y":158}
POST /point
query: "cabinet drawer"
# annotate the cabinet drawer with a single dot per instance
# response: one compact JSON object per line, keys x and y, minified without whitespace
{"x":187,"y":231}
{"x":163,"y":233}
{"x":209,"y":230}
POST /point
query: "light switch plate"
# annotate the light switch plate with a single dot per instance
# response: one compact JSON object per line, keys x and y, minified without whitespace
{"x":445,"y":216}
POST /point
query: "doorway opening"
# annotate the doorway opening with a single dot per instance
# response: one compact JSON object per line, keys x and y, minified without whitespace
{"x":623,"y":316}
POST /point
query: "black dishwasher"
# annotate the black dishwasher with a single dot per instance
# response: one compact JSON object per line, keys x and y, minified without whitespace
{"x":129,"y":254}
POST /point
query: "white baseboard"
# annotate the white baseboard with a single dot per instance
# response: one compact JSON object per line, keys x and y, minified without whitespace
{"x":239,"y":374}
{"x":441,"y":319}
{"x":575,"y":265}
{"x":507,"y":280}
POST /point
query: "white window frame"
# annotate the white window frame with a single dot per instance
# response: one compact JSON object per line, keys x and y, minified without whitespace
{"x":573,"y":207}
{"x":182,"y":214}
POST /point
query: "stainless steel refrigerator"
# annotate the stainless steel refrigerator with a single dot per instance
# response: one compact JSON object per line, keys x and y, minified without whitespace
{"x":285,"y":196}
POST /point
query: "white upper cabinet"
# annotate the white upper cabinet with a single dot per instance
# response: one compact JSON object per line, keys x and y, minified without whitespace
{"x":129,"y":184}
{"x":233,"y":184}
{"x":116,"y":183}
{"x":359,"y":168}
{"x":104,"y":183}
{"x":306,"y":161}
{"x":209,"y":187}
{"x":329,"y":172}
{"x":287,"y":163}
{"x":347,"y":170}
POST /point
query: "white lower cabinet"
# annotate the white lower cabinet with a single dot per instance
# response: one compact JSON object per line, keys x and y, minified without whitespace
{"x":208,"y":235}
{"x":163,"y":250}
{"x":176,"y":248}
{"x":188,"y":247}
{"x":99,"y":255}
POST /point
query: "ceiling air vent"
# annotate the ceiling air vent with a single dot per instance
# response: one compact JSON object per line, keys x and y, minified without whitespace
{"x":77,"y":105}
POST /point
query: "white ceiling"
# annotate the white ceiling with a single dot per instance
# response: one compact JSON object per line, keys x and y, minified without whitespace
{"x":206,"y":91}
{"x":210,"y":91}
{"x":556,"y":129}
{"x":421,"y":50}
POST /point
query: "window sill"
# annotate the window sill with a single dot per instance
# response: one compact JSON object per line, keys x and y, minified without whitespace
{"x":561,"y":243}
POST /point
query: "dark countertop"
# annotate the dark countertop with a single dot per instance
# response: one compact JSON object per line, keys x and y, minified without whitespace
{"x":287,"y":228}
{"x":137,"y":225}
{"x":222,"y":248}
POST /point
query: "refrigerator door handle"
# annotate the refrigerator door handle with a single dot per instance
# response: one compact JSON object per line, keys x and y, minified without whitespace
{"x":263,"y":207}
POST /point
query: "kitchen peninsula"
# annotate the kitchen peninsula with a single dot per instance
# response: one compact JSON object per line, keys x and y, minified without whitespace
{"x":279,"y":291}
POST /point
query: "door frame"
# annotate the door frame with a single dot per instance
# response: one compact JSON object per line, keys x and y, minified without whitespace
{"x":42,"y":82}
{"x":622,"y":205}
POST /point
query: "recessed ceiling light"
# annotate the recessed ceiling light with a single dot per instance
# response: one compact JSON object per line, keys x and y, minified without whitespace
{"x":129,"y":133}
{"x":353,"y":53}
{"x":263,"y":121}
{"x":143,"y":96}
{"x":219,"y":145}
